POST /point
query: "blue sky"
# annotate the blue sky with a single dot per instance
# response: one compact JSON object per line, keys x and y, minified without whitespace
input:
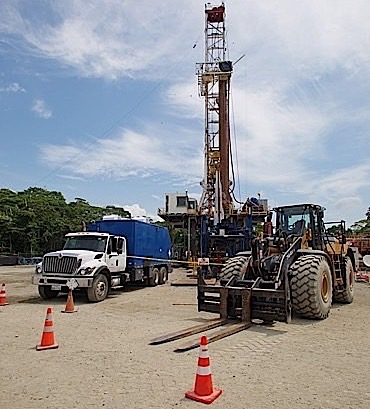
{"x":99,"y":100}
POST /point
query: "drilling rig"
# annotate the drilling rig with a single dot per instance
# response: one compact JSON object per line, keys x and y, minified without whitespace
{"x":219,"y":226}
{"x":296,"y":266}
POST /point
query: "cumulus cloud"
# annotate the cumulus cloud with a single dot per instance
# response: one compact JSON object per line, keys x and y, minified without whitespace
{"x":128,"y":154}
{"x":13,"y":88}
{"x":106,"y":39}
{"x":40,"y":109}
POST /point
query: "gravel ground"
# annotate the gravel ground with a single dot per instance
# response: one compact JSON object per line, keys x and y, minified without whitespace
{"x":104,"y":360}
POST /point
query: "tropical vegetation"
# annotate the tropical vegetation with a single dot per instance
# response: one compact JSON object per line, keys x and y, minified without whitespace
{"x":34,"y":221}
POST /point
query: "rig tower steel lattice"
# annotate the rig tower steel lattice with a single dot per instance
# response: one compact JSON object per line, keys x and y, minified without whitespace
{"x":214,"y":85}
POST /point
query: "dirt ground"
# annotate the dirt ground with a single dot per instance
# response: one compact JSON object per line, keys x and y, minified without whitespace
{"x":104,"y":360}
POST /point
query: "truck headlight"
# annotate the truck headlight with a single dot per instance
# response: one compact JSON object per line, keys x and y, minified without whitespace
{"x":38,"y":269}
{"x":86,"y":271}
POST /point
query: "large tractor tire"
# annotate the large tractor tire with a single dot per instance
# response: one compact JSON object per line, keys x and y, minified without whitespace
{"x":311,"y":287}
{"x":235,"y":266}
{"x":346,"y":296}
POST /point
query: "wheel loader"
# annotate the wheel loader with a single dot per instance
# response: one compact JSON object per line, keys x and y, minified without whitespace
{"x":298,"y":266}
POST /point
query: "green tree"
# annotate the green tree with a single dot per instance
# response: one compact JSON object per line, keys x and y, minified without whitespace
{"x":36,"y":220}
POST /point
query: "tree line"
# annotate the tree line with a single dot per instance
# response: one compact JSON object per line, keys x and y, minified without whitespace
{"x":34,"y":221}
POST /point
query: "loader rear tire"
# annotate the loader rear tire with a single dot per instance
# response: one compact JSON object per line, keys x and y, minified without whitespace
{"x":235,"y":266}
{"x":346,"y":296}
{"x":311,"y":287}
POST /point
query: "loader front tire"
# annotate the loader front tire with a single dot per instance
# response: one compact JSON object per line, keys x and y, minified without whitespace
{"x":235,"y":266}
{"x":311,"y":287}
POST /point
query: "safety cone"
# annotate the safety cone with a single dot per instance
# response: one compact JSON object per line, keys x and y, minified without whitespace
{"x":3,"y":296}
{"x":47,"y":339}
{"x":70,"y":307}
{"x":203,"y":388}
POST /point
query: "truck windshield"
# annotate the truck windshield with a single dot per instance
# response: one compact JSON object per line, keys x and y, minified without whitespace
{"x":93,"y":243}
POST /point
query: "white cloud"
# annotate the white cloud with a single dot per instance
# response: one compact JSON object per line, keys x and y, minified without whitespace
{"x":40,"y":109}
{"x":71,"y":177}
{"x":126,"y":155}
{"x":14,"y":87}
{"x":106,"y":39}
{"x":137,"y":212}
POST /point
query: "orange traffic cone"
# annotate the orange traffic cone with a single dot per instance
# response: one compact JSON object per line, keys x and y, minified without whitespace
{"x":47,"y":339}
{"x":70,"y":307}
{"x":3,"y":296}
{"x":203,"y":388}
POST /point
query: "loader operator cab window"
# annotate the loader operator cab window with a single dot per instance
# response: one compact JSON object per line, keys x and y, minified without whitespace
{"x":293,"y":221}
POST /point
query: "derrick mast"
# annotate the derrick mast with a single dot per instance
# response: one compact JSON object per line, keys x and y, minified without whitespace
{"x":216,"y":228}
{"x":214,"y":76}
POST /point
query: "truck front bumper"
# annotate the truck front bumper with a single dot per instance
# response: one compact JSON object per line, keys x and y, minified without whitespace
{"x":83,"y":282}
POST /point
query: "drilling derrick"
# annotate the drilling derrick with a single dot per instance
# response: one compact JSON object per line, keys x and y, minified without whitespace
{"x":214,"y":85}
{"x":215,"y":228}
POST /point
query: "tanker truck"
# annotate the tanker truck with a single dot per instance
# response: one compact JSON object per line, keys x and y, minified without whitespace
{"x":113,"y":252}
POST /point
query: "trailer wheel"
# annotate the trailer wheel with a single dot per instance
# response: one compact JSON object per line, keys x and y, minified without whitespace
{"x":154,"y":279}
{"x":99,"y":289}
{"x":46,"y":293}
{"x":311,"y":287}
{"x":163,"y":275}
{"x":346,"y":296}
{"x":235,"y":266}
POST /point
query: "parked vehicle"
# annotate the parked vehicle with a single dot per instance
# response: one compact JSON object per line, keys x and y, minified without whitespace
{"x":299,"y":267}
{"x":112,"y":252}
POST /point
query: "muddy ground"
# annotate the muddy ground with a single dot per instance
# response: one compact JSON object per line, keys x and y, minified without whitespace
{"x":104,"y":360}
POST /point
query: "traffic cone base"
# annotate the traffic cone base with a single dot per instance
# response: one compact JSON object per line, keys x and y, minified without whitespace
{"x":3,"y":296}
{"x":204,"y":399}
{"x":70,"y":307}
{"x":53,"y":346}
{"x":47,"y":339}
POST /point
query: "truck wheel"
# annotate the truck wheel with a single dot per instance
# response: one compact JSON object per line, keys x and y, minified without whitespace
{"x":163,"y":275}
{"x":346,"y":296}
{"x":47,"y":293}
{"x":154,"y":279}
{"x":311,"y":286}
{"x":99,"y":289}
{"x":235,"y":266}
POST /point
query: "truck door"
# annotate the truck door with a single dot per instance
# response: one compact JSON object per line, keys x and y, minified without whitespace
{"x":116,"y":254}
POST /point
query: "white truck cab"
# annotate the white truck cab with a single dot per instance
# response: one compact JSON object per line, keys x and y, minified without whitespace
{"x":96,"y":261}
